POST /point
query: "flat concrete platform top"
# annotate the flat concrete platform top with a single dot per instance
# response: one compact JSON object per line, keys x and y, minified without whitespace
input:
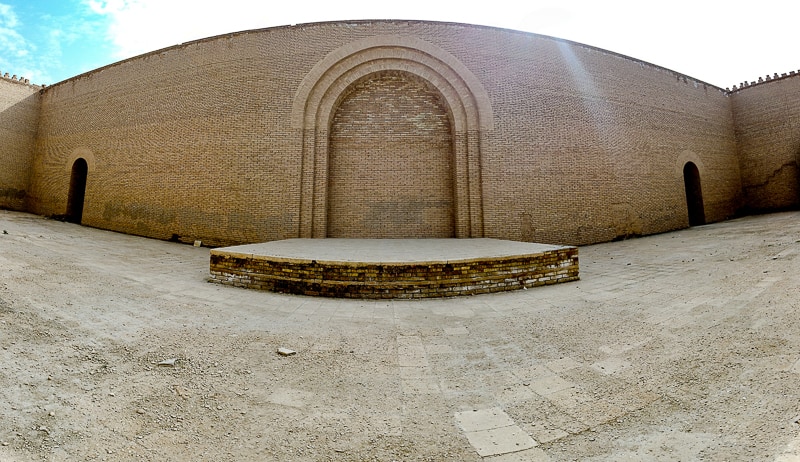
{"x":387,"y":251}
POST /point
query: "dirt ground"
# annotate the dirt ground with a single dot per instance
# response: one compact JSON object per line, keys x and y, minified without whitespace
{"x":681,"y":346}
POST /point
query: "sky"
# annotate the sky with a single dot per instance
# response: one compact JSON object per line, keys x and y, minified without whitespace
{"x":721,"y":43}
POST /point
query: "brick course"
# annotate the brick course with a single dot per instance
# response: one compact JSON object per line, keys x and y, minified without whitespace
{"x":394,"y":280}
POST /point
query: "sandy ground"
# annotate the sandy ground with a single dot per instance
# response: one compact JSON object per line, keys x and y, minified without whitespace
{"x":682,"y":346}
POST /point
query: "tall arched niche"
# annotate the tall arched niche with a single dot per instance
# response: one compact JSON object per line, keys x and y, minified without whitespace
{"x":321,"y":91}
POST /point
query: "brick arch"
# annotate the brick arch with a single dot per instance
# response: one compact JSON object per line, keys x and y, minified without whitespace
{"x":320,"y":91}
{"x":685,"y":157}
{"x":80,"y":153}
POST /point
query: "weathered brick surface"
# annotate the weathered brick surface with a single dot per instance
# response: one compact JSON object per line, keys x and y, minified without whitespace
{"x":391,"y":161}
{"x":768,"y":139}
{"x":244,"y":138}
{"x":19,"y":109}
{"x":395,"y":280}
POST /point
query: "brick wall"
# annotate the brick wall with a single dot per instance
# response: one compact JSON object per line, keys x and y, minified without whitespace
{"x":768,"y":140}
{"x":391,"y":168}
{"x":19,"y":108}
{"x":347,"y":279}
{"x":552,"y":141}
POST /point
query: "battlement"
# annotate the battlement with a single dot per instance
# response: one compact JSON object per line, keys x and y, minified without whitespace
{"x":767,"y":78}
{"x":14,"y":78}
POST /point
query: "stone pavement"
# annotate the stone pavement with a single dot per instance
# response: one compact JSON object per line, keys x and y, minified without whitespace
{"x":680,"y":346}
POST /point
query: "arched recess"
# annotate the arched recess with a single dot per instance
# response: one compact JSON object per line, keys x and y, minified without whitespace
{"x":694,"y":194}
{"x":321,"y":92}
{"x":390,"y":170}
{"x":77,"y":191}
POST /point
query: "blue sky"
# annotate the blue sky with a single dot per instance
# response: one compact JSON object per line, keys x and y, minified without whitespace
{"x":722,"y":43}
{"x":49,"y":41}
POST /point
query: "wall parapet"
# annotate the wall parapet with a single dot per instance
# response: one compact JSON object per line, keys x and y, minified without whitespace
{"x":761,"y":80}
{"x":19,"y":80}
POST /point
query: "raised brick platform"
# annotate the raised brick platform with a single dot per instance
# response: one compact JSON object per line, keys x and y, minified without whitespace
{"x":393,"y":268}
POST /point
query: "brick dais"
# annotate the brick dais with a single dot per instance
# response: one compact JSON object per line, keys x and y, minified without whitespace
{"x":459,"y":267}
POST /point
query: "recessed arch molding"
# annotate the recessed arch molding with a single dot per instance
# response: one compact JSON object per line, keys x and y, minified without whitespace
{"x":321,"y":90}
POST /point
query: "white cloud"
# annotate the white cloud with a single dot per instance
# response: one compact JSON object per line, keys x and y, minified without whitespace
{"x":140,"y":26}
{"x":718,"y":45}
{"x":18,"y":57}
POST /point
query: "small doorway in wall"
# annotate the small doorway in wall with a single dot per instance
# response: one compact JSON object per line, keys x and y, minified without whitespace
{"x":694,"y":194}
{"x":77,"y":191}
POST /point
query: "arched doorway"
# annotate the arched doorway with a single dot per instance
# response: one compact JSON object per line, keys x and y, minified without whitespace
{"x":77,"y":191}
{"x":694,"y":195}
{"x":390,"y":166}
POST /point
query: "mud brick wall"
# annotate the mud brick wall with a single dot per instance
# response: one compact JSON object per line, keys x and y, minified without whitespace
{"x":387,"y":170}
{"x":387,"y":281}
{"x":395,"y":129}
{"x":768,"y":140}
{"x":19,"y":110}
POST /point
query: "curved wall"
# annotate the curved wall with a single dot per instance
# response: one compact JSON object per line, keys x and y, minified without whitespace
{"x":768,"y":139}
{"x":235,"y":138}
{"x":19,"y":109}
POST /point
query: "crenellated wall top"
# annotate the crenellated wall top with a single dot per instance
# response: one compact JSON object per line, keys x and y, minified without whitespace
{"x":14,"y":78}
{"x":761,"y":80}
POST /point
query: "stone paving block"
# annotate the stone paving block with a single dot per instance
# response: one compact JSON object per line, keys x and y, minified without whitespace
{"x":563,"y":364}
{"x":408,"y":360}
{"x":791,"y":453}
{"x":544,"y":431}
{"x":528,"y":455}
{"x":421,"y":386}
{"x":483,"y":419}
{"x":458,"y":386}
{"x":411,"y":351}
{"x":602,"y":295}
{"x":532,"y":372}
{"x":795,"y":367}
{"x":619,"y":348}
{"x":500,"y":440}
{"x":514,"y":393}
{"x":414,"y":372}
{"x":438,"y":347}
{"x":661,"y":318}
{"x":610,"y":366}
{"x":569,"y":398}
{"x":456,"y":331}
{"x":548,"y":385}
{"x":780,"y":363}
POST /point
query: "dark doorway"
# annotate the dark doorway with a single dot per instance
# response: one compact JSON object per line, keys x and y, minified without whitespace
{"x":694,"y":195}
{"x":77,"y":191}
